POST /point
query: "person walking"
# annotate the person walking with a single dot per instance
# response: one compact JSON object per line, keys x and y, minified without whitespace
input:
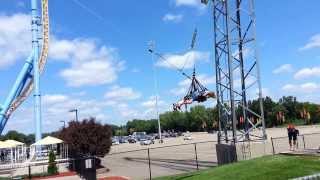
{"x":292,"y":134}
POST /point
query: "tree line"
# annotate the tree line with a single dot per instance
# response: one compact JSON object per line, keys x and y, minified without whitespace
{"x":199,"y":118}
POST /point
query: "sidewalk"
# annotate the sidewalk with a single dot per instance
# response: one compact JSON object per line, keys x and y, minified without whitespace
{"x":64,"y":178}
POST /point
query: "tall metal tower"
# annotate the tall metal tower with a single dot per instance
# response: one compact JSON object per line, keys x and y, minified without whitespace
{"x":36,"y":23}
{"x":237,"y":71}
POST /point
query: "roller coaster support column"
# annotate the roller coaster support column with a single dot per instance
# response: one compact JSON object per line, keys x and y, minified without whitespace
{"x":36,"y":23}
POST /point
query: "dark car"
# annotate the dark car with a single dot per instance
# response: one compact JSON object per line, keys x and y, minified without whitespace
{"x":173,"y":134}
{"x":132,"y":140}
{"x":166,"y":135}
{"x":123,"y":140}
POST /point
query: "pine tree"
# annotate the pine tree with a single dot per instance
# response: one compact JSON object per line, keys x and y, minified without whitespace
{"x":52,"y":167}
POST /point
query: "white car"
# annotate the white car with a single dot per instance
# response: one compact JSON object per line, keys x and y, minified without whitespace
{"x":187,"y":137}
{"x":115,"y":143}
{"x":146,"y":142}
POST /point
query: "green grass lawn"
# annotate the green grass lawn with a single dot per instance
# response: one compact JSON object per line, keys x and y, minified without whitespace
{"x":268,"y":167}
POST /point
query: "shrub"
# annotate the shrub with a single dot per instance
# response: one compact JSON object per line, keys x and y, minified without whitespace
{"x":52,"y":167}
{"x":87,"y":137}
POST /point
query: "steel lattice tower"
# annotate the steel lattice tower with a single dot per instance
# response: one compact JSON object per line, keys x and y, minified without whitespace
{"x":237,"y":71}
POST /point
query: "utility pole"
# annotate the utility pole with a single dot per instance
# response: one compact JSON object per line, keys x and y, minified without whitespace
{"x":151,"y":49}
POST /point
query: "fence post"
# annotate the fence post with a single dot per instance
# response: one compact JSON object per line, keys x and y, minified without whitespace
{"x":150,"y":176}
{"x":29,"y":171}
{"x":273,"y":151}
{"x":304,"y":143}
{"x":195,"y":150}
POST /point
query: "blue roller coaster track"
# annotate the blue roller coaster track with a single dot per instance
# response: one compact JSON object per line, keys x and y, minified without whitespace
{"x":28,"y":79}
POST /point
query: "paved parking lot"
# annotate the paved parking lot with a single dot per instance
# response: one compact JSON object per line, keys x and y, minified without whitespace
{"x":180,"y":159}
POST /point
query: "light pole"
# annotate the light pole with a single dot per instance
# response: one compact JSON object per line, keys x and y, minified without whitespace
{"x":151,"y":50}
{"x":64,"y":124}
{"x":76,"y":111}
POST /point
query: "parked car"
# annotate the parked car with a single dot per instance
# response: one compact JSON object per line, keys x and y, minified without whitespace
{"x":166,"y":135}
{"x":115,"y":141}
{"x":138,"y":135}
{"x":179,"y":133}
{"x":187,"y":136}
{"x":123,"y":140}
{"x":173,"y":134}
{"x":156,"y":136}
{"x":146,"y":141}
{"x":132,"y":140}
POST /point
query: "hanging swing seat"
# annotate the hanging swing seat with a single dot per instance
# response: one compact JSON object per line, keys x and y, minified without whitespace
{"x":196,"y":93}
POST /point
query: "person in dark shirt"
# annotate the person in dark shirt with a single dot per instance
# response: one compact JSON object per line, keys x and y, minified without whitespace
{"x":292,"y":134}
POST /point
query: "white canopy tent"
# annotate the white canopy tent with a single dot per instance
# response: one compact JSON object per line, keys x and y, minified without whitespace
{"x":41,"y":148}
{"x":12,"y":151}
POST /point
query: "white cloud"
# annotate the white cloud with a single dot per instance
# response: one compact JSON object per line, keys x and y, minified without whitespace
{"x":250,"y":80}
{"x":307,"y":73}
{"x":149,"y":107}
{"x":254,"y":93}
{"x":285,"y":68}
{"x":172,"y":17}
{"x":186,"y":60}
{"x":190,"y":3}
{"x":151,"y":102}
{"x":91,"y":64}
{"x":54,"y":98}
{"x":309,"y":87}
{"x":59,"y":104}
{"x":90,"y":73}
{"x":117,"y":93}
{"x":15,"y":38}
{"x":246,"y":52}
{"x":55,"y":107}
{"x":204,"y":79}
{"x":314,"y":42}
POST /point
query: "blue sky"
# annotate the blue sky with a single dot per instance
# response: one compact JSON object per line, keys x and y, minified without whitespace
{"x":99,"y":62}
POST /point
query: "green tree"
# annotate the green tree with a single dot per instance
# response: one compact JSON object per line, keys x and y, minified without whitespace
{"x":52,"y":167}
{"x":212,"y":121}
{"x":198,"y":118}
{"x":173,"y":121}
{"x":138,"y":125}
{"x":309,"y":112}
{"x":276,"y":109}
{"x":291,"y":105}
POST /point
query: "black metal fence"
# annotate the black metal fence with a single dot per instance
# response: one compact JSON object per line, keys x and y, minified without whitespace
{"x":153,"y":162}
{"x":84,"y":167}
{"x":30,"y":170}
{"x":176,"y":159}
{"x":304,"y":141}
{"x":162,"y":161}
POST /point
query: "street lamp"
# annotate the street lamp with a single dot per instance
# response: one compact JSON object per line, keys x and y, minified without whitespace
{"x":155,"y":79}
{"x":76,"y":111}
{"x":64,"y":124}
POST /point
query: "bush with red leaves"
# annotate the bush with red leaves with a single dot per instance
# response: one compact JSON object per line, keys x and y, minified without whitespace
{"x":87,"y":137}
